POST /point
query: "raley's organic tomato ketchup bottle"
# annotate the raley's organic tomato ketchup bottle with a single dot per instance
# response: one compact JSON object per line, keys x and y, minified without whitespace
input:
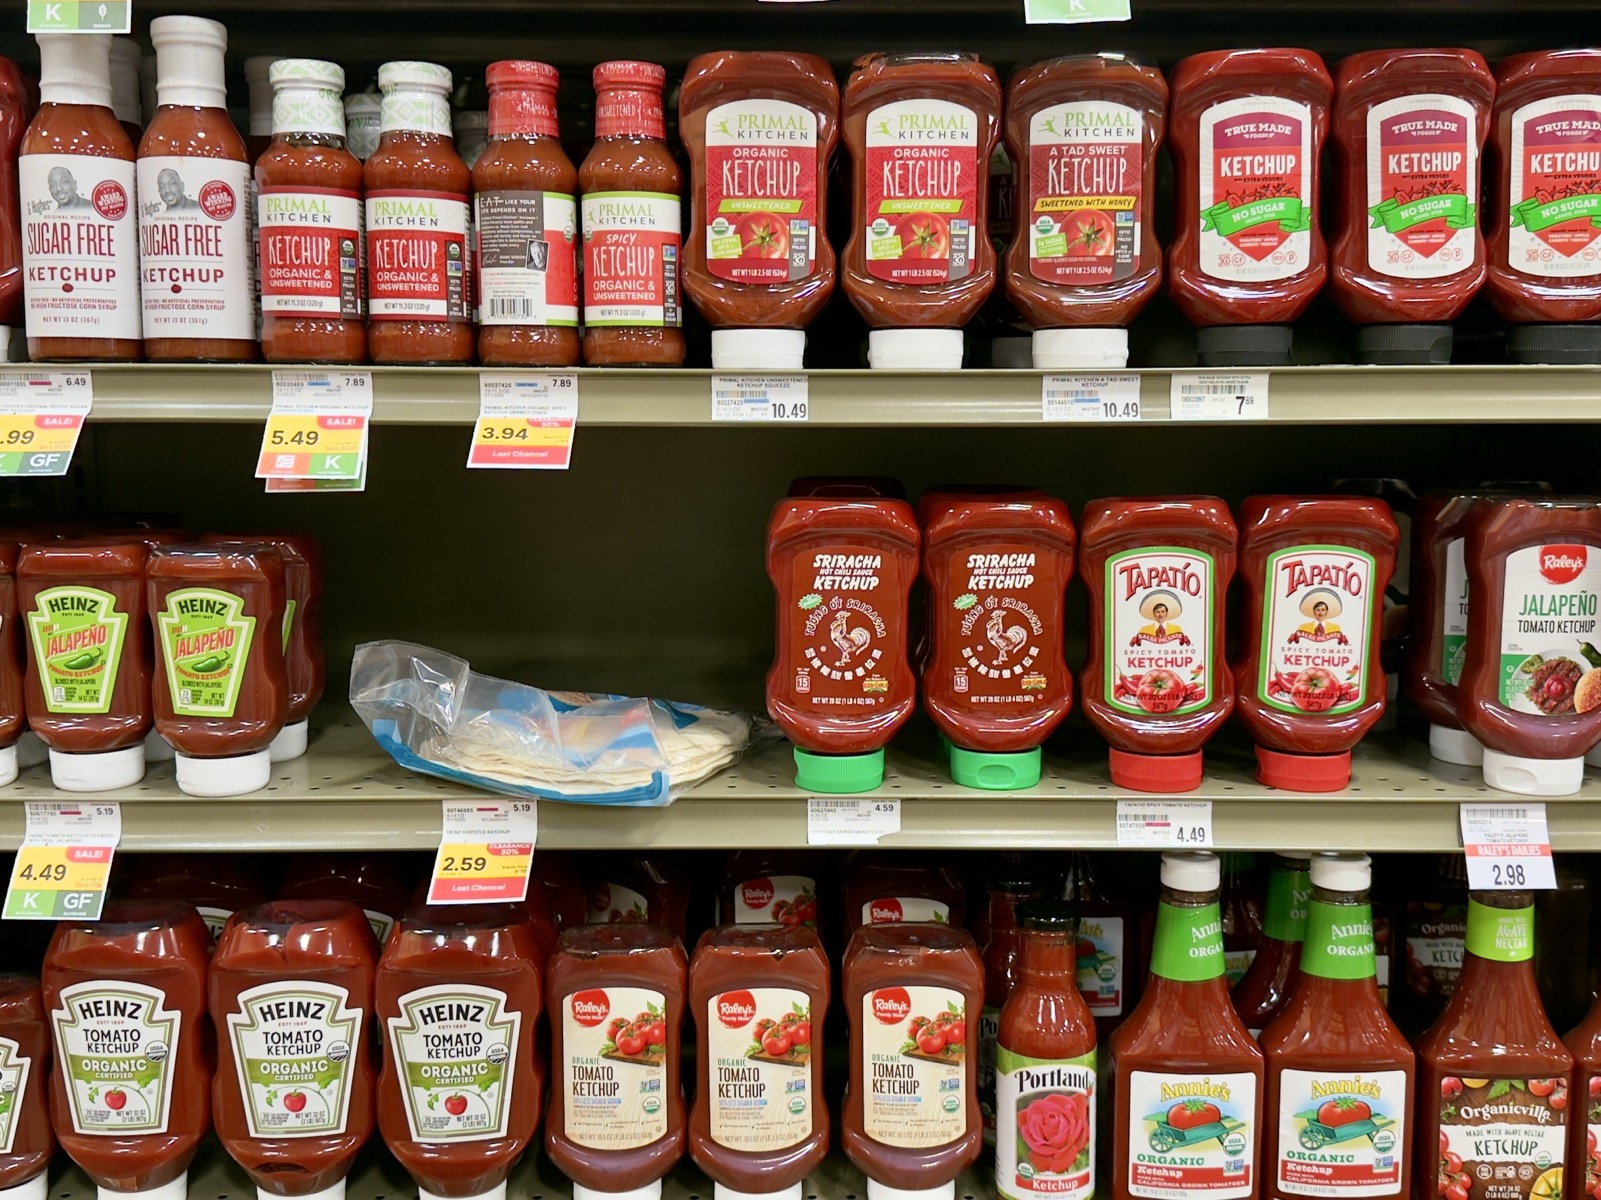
{"x":887,"y":888}
{"x":1262,"y":992}
{"x":1409,"y":126}
{"x":760,"y":887}
{"x":26,"y":1067}
{"x":1247,"y":134}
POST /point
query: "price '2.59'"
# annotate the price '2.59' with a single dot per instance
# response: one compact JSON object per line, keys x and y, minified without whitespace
{"x":467,"y":864}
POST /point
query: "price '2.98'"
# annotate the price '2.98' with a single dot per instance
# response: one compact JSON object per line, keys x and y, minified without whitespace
{"x":1508,"y":875}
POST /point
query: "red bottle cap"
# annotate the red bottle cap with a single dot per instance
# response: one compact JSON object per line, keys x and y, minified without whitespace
{"x":1155,"y":772}
{"x":522,"y":98}
{"x":628,"y":99}
{"x":1303,"y":772}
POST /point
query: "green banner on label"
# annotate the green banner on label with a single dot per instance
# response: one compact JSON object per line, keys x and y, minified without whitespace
{"x":1189,"y":942}
{"x":1534,"y":216}
{"x":1074,"y":12}
{"x":1395,"y":216}
{"x":1500,"y":934}
{"x":80,"y":16}
{"x":1288,"y":211}
{"x":1339,"y":941}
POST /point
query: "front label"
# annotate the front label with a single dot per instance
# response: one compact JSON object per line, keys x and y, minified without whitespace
{"x":631,"y":243}
{"x":614,"y":1073}
{"x":785,"y":899}
{"x":15,"y":1067}
{"x":416,"y":256}
{"x":205,"y":644}
{"x":611,"y":903}
{"x":1341,"y":1134}
{"x":310,"y":263}
{"x":921,"y":192}
{"x":1236,"y":963}
{"x":1548,"y":624}
{"x":760,"y":1072}
{"x":1046,"y":1126}
{"x":1502,"y":1139}
{"x":761,"y":192}
{"x":1256,"y":189}
{"x":892,"y":910}
{"x":455,"y":1052}
{"x":1423,"y":185}
{"x":115,"y":1043}
{"x":998,"y":629}
{"x":1315,"y":629}
{"x":914,"y":1068}
{"x":77,"y":636}
{"x":80,"y":249}
{"x":293,"y":1044}
{"x":846,"y":648}
{"x":1085,"y":179}
{"x":1159,"y":630}
{"x":528,"y":258}
{"x":1191,"y":1135}
{"x":195,"y":262}
{"x":1434,"y":940}
{"x":1555,"y":187}
{"x":1100,"y":964}
{"x":1454,"y":611}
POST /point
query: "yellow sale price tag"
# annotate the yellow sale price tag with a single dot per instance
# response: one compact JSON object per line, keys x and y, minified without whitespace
{"x":41,"y":415}
{"x":317,"y":428}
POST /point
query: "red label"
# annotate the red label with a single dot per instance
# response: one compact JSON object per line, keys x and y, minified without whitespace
{"x":842,"y":612}
{"x":217,"y":200}
{"x":1085,"y":184}
{"x":736,"y":1009}
{"x":761,"y":192}
{"x":417,"y":256}
{"x":996,"y":635}
{"x":1423,"y":155}
{"x":920,"y":199}
{"x":110,"y":200}
{"x":590,"y":1008}
{"x":631,"y":243}
{"x":1563,"y":563}
{"x":1256,"y":159}
{"x":892,"y":1005}
{"x":309,"y":242}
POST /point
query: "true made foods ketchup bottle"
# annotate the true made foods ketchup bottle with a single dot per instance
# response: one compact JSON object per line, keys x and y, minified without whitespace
{"x":1265,"y":988}
{"x":1439,"y":616}
{"x":1545,"y":174}
{"x":1010,"y":883}
{"x":126,"y":995}
{"x":419,"y":304}
{"x":291,"y":995}
{"x":1409,"y":126}
{"x":997,"y":566}
{"x":309,"y":222}
{"x":912,"y":994}
{"x":616,"y":995}
{"x":80,"y":246}
{"x":919,"y":264}
{"x":525,"y":219}
{"x":840,"y":684}
{"x":458,"y":995}
{"x":759,"y":1124}
{"x":1493,"y":1077}
{"x":1310,"y":684}
{"x":217,"y":885}
{"x":1155,"y":685}
{"x":26,"y":1140}
{"x":633,"y":224}
{"x":196,"y":261}
{"x":1337,"y":1100}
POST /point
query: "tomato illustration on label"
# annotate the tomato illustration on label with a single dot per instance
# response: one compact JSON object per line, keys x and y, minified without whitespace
{"x":1192,"y":1114}
{"x":1195,"y":1140}
{"x":1315,"y":629}
{"x":1158,"y":627}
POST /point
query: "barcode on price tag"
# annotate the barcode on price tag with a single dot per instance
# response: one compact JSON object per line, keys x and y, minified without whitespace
{"x":1219,"y":397}
{"x":760,"y":397}
{"x":317,"y":428}
{"x":64,"y":863}
{"x":1165,"y":824}
{"x":852,"y":821}
{"x":41,"y":415}
{"x":1090,"y":398}
{"x":1508,"y":847}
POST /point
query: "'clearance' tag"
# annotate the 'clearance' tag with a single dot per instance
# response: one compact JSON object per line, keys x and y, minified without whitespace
{"x":486,"y":848}
{"x":526,"y":421}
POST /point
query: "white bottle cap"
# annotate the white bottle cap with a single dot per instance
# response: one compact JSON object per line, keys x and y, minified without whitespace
{"x":915,"y":349}
{"x":758,"y":349}
{"x":157,"y":748}
{"x":335,"y":1192}
{"x":259,"y":80}
{"x":1012,"y":353}
{"x":651,"y":1191}
{"x":1532,"y":776}
{"x":1091,"y":349}
{"x":189,"y":54}
{"x":217,"y":777}
{"x":1593,"y":758}
{"x":1455,"y":746}
{"x":498,"y":1192}
{"x":38,"y":1187}
{"x":75,"y":68}
{"x":125,"y":60}
{"x":1192,"y":871}
{"x":178,"y":1189}
{"x":8,"y":774}
{"x":1342,"y":872}
{"x":290,"y":743}
{"x":719,"y":1192}
{"x":415,"y":98}
{"x":882,"y":1191}
{"x":97,"y":772}
{"x":30,"y":750}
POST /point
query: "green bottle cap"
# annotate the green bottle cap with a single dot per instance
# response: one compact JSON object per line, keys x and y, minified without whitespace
{"x":838,"y":774}
{"x":995,"y":772}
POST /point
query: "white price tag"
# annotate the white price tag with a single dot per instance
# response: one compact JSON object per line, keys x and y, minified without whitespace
{"x":1219,"y":397}
{"x":760,"y":397}
{"x":486,"y":848}
{"x":1090,"y":398}
{"x":1508,"y":847}
{"x":317,"y":428}
{"x":526,"y":420}
{"x":850,"y":821}
{"x":41,"y":415}
{"x":1165,"y":824}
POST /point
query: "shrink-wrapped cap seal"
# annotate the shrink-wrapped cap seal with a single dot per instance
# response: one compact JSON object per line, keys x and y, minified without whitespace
{"x":1532,"y":776}
{"x":628,"y":99}
{"x":126,"y":60}
{"x":522,"y":98}
{"x":305,"y":96}
{"x":189,"y":69}
{"x":415,"y":97}
{"x":258,"y":81}
{"x":75,"y":68}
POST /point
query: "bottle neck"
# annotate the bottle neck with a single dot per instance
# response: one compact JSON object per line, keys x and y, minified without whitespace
{"x":1048,"y":954}
{"x":415,"y":110}
{"x":1499,"y":947}
{"x":1188,"y":947}
{"x":308,"y":110}
{"x":629,"y":112}
{"x":1339,"y":936}
{"x":522,"y":112}
{"x":1288,"y":888}
{"x":190,"y":75}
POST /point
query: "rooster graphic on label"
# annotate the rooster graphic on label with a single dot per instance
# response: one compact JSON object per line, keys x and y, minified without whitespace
{"x":851,"y":642}
{"x":1007,"y":642}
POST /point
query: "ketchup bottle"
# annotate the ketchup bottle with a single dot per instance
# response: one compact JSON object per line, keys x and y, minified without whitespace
{"x":1439,"y":617}
{"x":762,"y":887}
{"x":25,"y":1071}
{"x":1263,"y":991}
{"x":1243,"y":910}
{"x":126,"y":59}
{"x":1584,"y":1130}
{"x":1434,"y":923}
{"x":1009,"y":885}
{"x":216,"y":884}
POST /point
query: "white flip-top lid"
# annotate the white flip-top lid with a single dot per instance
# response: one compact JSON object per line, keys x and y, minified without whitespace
{"x":1192,"y":871}
{"x":1337,"y":872}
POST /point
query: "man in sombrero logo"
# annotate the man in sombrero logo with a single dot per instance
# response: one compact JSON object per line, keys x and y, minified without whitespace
{"x":1322,"y":606}
{"x":1160,"y":608}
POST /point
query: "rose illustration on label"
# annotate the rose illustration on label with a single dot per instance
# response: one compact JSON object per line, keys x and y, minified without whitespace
{"x":1055,"y":1131}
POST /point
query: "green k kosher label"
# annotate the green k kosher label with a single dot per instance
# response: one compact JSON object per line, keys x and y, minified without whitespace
{"x":205,"y":643}
{"x":78,"y":636}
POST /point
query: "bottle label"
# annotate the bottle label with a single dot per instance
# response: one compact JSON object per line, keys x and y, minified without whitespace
{"x":631,"y":243}
{"x":382,"y":924}
{"x":914,"y":1071}
{"x":1045,"y":1142}
{"x":1191,"y":1135}
{"x":80,"y":248}
{"x":310,"y":252}
{"x":1434,"y":939}
{"x":760,"y":1070}
{"x":215,"y":919}
{"x":611,"y":903}
{"x":1100,"y":964}
{"x":921,"y":193}
{"x":1592,"y":1141}
{"x":528,"y":258}
{"x":1236,"y":963}
{"x":1341,"y":1135}
{"x":1339,"y":942}
{"x":989,"y":1032}
{"x":786,"y":899}
{"x":892,"y":910}
{"x":195,"y":262}
{"x":1256,"y":188}
{"x":455,"y":1049}
{"x":761,"y":192}
{"x":15,"y":1067}
{"x":292,"y":1045}
{"x":1288,"y":893}
{"x":1423,"y":183}
{"x":116,"y":1043}
{"x":204,"y":640}
{"x":1085,"y":179}
{"x":1189,"y":942}
{"x":1454,"y":611}
{"x":846,"y":650}
{"x":416,"y":256}
{"x":1555,"y":187}
{"x":1159,"y":630}
{"x":614,"y":1073}
{"x":78,"y":636}
{"x":1501,"y":1139}
{"x":998,"y":626}
{"x":1548,"y":627}
{"x":1500,"y":934}
{"x":1315,"y":629}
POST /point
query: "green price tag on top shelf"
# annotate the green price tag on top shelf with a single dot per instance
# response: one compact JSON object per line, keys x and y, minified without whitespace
{"x":1074,"y":12}
{"x":80,"y":16}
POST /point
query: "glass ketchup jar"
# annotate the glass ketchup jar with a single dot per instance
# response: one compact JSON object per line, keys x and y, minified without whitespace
{"x":1409,"y":126}
{"x":126,"y":59}
{"x":259,"y":95}
{"x":25,"y":1062}
{"x":633,"y":224}
{"x":80,"y":249}
{"x":921,"y":129}
{"x":1265,"y":988}
{"x":13,"y":665}
{"x":1246,"y":134}
{"x":1009,"y":884}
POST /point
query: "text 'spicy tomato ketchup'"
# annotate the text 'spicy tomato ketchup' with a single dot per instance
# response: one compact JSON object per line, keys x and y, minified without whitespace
{"x":1246,"y":132}
{"x":919,"y":264}
{"x":760,"y":127}
{"x":1409,"y":126}
{"x":1155,"y":686}
{"x":1439,"y":617}
{"x":999,"y":937}
{"x":1084,"y":259}
{"x":1309,"y":684}
{"x":126,"y":58}
{"x":1265,"y":988}
{"x":419,"y":295}
{"x":633,"y":224}
{"x":80,"y":248}
{"x":216,"y":884}
{"x":1544,"y":259}
{"x":26,"y":1140}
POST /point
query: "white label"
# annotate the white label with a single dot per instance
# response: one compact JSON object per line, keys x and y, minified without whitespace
{"x":1341,"y":1134}
{"x":1100,"y":967}
{"x":893,"y":910}
{"x":1044,"y":1127}
{"x":1555,"y":187}
{"x":80,"y":248}
{"x":1508,"y":847}
{"x":760,"y":1071}
{"x":527,"y":272}
{"x":455,"y":1048}
{"x":614,"y":1067}
{"x":1257,"y":203}
{"x":786,"y":899}
{"x":116,"y":1043}
{"x":914,"y":1076}
{"x":610,"y":903}
{"x":1158,"y":627}
{"x":1423,"y":186}
{"x":1315,"y":629}
{"x":1090,"y":398}
{"x":215,"y":918}
{"x":1454,"y":614}
{"x":1191,"y":1135}
{"x":195,"y":263}
{"x":760,"y":398}
{"x":1172,"y":824}
{"x":293,"y":1046}
{"x":1195,"y":397}
{"x":15,"y":1067}
{"x":1549,"y":613}
{"x":850,"y":821}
